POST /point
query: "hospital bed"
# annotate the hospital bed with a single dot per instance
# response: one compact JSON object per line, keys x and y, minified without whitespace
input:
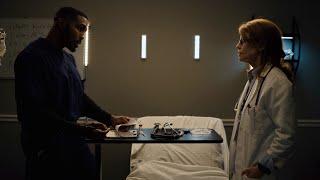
{"x":180,"y":161}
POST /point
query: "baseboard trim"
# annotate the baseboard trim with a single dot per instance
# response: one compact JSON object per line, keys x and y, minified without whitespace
{"x":312,"y":123}
{"x":301,"y":123}
{"x":8,"y":118}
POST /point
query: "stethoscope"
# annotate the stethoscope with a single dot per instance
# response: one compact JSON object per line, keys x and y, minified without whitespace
{"x":259,"y":90}
{"x":258,"y":94}
{"x":244,"y":101}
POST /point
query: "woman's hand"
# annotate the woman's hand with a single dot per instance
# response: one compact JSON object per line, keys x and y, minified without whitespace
{"x":252,"y":172}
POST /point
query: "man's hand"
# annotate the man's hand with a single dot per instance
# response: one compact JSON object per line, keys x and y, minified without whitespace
{"x":98,"y":125}
{"x":119,"y":120}
{"x":252,"y":172}
{"x":92,"y":129}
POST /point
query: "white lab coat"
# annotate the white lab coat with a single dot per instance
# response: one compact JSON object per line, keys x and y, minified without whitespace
{"x":266,"y":129}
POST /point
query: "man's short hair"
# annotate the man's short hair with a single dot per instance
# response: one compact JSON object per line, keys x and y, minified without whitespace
{"x":69,"y":13}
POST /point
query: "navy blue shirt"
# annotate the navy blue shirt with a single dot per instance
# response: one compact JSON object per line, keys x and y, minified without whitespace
{"x":49,"y":94}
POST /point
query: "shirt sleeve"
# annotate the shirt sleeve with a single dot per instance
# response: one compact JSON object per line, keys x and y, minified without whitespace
{"x":92,"y":110}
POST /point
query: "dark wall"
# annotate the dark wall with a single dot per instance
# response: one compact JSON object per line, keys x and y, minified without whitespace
{"x":170,"y":82}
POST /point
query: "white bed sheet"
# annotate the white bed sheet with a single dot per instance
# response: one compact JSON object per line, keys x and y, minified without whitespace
{"x":160,"y":170}
{"x":203,"y":158}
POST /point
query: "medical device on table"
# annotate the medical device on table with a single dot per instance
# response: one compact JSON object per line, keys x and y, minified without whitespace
{"x":166,"y":131}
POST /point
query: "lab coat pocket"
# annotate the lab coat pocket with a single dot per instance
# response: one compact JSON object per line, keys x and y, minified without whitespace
{"x":257,"y":118}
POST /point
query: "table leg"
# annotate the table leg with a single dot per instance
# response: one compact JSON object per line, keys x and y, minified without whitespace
{"x":98,"y":160}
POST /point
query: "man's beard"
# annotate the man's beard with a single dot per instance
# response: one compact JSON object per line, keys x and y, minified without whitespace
{"x":70,"y":44}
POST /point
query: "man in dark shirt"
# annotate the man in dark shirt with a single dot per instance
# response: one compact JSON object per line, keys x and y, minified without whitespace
{"x":50,"y":99}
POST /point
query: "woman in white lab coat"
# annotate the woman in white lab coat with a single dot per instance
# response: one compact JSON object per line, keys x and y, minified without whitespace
{"x":264,"y":127}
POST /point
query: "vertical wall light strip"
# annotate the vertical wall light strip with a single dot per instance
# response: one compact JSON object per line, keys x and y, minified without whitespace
{"x":143,"y":46}
{"x":196,"y":54}
{"x":86,"y":48}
